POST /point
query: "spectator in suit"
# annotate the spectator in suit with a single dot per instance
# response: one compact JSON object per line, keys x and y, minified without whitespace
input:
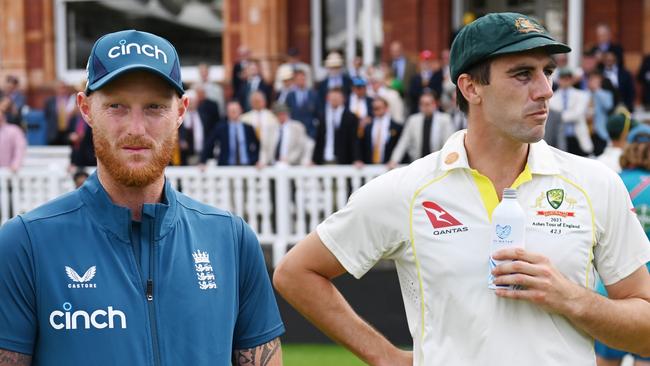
{"x":336,"y":77}
{"x":336,"y":138}
{"x":303,"y":103}
{"x":292,"y":144}
{"x":80,"y":137}
{"x":18,"y":99}
{"x":200,"y":119}
{"x":381,"y":135}
{"x":360,"y":103}
{"x":238,"y":78}
{"x":284,"y":76}
{"x":13,"y":143}
{"x":292,"y":61}
{"x":620,"y":78}
{"x":254,"y":82}
{"x":236,"y":140}
{"x":573,"y":104}
{"x":357,"y":70}
{"x":588,"y":64}
{"x":402,"y":68}
{"x":213,"y":91}
{"x":263,"y":121}
{"x":605,"y":44}
{"x":428,"y":80}
{"x":58,"y":110}
{"x":423,"y":133}
{"x":644,"y":79}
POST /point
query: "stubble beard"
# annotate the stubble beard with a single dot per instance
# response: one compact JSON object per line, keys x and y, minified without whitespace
{"x":124,"y":174}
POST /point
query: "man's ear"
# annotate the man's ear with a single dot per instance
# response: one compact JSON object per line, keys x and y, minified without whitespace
{"x":469,"y":88}
{"x":83,"y":103}
{"x":182,"y":108}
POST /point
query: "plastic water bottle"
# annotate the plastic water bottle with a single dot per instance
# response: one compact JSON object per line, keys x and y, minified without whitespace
{"x":508,"y":229}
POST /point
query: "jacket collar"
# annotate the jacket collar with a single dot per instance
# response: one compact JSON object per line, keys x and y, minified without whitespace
{"x":117,"y":219}
{"x":541,"y":159}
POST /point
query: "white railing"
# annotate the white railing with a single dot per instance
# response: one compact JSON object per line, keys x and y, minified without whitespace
{"x":281,"y":204}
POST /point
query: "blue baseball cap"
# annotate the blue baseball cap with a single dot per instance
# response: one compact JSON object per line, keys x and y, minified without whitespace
{"x":115,"y":54}
{"x":357,"y":81}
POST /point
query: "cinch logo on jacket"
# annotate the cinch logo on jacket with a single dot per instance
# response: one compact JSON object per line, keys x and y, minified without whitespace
{"x":145,"y":49}
{"x":98,"y":319}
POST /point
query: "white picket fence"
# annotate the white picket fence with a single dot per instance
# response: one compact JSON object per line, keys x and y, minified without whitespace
{"x":281,"y":204}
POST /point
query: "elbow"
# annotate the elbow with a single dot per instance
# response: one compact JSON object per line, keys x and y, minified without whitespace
{"x":282,"y":278}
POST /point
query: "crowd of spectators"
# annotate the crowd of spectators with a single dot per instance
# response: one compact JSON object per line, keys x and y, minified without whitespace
{"x":390,"y":113}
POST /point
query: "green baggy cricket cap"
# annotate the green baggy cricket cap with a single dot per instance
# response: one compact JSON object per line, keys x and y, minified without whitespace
{"x":498,"y":34}
{"x":115,"y":54}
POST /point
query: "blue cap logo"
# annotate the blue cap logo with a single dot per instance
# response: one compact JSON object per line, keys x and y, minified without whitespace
{"x":117,"y":53}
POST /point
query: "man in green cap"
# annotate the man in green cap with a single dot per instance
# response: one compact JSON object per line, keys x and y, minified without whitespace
{"x":433,"y":218}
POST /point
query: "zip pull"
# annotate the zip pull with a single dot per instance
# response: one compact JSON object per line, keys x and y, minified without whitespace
{"x":150,"y":290}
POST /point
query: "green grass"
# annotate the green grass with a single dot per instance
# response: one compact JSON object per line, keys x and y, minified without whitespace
{"x":318,"y":355}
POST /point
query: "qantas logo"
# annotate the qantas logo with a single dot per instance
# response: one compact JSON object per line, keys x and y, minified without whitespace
{"x":438,"y":216}
{"x":441,"y":220}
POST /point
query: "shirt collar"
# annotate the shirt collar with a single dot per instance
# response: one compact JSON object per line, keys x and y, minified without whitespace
{"x":453,"y":155}
{"x":117,"y":219}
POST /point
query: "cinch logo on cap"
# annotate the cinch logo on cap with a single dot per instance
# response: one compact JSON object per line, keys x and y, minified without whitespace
{"x":145,"y":49}
{"x":438,"y":216}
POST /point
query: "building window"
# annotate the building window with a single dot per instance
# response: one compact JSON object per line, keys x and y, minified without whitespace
{"x":194,"y":27}
{"x":352,"y":27}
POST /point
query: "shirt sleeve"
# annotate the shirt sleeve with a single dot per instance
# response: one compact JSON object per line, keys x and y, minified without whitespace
{"x":258,"y":321}
{"x":18,"y":323}
{"x":373,"y":225}
{"x":622,"y":246}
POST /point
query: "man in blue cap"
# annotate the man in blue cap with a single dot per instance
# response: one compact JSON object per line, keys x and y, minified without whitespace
{"x":127,"y":270}
{"x":433,"y":218}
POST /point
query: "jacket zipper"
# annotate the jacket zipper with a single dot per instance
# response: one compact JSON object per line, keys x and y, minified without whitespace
{"x":149,"y":296}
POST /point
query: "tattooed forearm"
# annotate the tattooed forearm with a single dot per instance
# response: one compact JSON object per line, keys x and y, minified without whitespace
{"x":8,"y":358}
{"x":268,"y":354}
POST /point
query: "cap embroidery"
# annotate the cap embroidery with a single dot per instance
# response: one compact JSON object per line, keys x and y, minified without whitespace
{"x":524,"y":25}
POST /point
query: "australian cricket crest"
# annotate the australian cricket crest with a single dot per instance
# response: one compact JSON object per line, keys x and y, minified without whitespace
{"x":204,"y":271}
{"x":555,"y":197}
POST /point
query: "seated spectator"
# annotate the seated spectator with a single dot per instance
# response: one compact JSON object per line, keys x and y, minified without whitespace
{"x":601,"y":103}
{"x":292,"y":144}
{"x":213,"y":91}
{"x":336,"y":78}
{"x":336,"y":137}
{"x":423,"y":133}
{"x":18,"y":99}
{"x":236,"y":141}
{"x":58,"y":110}
{"x":194,"y":129}
{"x":254,"y":82}
{"x":80,"y":137}
{"x":644,"y":79}
{"x":284,"y":76}
{"x":381,"y":135}
{"x":428,"y":80}
{"x":13,"y":143}
{"x":620,"y":78}
{"x":378,"y":89}
{"x":618,"y":127}
{"x":573,"y":104}
{"x":605,"y":44}
{"x":263,"y":122}
{"x":400,"y":67}
{"x":360,"y":103}
{"x":292,"y":61}
{"x":303,"y":103}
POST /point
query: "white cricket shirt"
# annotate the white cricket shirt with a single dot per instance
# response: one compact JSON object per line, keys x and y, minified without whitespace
{"x":433,"y":219}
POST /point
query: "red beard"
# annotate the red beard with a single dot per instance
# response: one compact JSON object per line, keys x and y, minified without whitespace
{"x":121,"y":172}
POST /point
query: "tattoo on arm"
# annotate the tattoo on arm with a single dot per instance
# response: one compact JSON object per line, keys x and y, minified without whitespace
{"x":259,"y":356}
{"x":8,"y":358}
